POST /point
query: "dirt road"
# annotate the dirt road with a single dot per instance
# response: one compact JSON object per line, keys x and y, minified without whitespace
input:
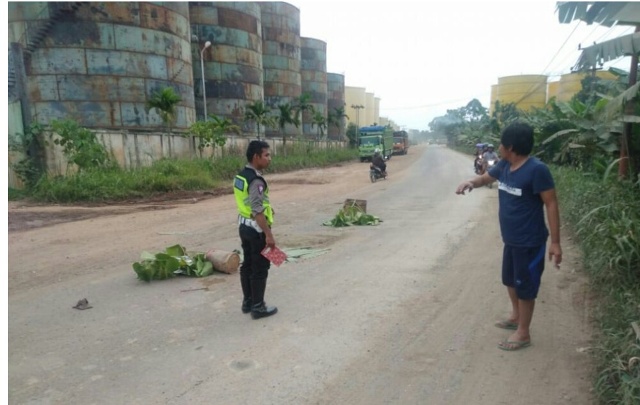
{"x":401,"y":313}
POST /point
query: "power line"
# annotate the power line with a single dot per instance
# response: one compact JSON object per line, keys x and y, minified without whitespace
{"x":562,"y":46}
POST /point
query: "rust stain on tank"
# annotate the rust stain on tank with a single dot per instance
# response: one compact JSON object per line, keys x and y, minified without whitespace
{"x":235,"y":19}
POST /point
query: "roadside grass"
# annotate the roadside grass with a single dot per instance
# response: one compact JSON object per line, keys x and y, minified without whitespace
{"x":168,"y":175}
{"x":605,"y":216}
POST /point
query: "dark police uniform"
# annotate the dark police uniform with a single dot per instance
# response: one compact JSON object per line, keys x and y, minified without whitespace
{"x":252,"y":197}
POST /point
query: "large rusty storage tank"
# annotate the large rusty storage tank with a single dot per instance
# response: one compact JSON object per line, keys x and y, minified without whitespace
{"x":281,"y":57}
{"x":336,"y":104}
{"x":525,"y":91}
{"x":98,"y":63}
{"x":313,"y":72}
{"x":232,"y":64}
{"x":355,"y":99}
{"x":571,"y":83}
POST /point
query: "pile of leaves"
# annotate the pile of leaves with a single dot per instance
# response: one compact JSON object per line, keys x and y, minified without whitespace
{"x":170,"y":263}
{"x":352,"y":215}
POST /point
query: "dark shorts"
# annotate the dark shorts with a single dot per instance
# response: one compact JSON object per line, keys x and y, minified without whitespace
{"x":522,"y":269}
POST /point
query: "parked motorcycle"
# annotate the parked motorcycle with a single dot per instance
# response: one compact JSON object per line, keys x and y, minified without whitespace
{"x":375,"y":173}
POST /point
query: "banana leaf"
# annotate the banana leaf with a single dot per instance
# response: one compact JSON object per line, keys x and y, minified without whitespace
{"x":173,"y":261}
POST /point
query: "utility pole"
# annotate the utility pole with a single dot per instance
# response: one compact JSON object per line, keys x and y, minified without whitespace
{"x":357,"y":107}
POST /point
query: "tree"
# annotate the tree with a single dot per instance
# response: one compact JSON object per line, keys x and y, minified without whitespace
{"x":336,"y":117}
{"x":211,"y":133}
{"x":301,"y":105}
{"x":351,"y":134}
{"x":258,"y":112}
{"x":287,"y":116}
{"x":320,"y":121}
{"x":164,"y":101}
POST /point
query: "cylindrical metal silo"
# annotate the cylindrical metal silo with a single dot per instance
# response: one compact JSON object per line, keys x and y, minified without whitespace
{"x":98,"y":63}
{"x":494,"y":98}
{"x":369,"y":108}
{"x":376,"y":110}
{"x":355,"y":99}
{"x":233,"y":63}
{"x":281,"y":57}
{"x":552,"y":89}
{"x":336,"y":104}
{"x":571,"y":83}
{"x":313,"y":72}
{"x":525,"y":91}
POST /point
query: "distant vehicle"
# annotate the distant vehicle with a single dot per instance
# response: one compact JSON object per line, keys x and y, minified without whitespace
{"x":400,"y":143}
{"x":372,"y":138}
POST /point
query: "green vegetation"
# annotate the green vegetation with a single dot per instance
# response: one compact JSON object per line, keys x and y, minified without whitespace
{"x":211,"y":133}
{"x":352,"y":215}
{"x":29,"y":145}
{"x":173,"y":261}
{"x":79,"y":145}
{"x":170,"y":176}
{"x":605,"y":216}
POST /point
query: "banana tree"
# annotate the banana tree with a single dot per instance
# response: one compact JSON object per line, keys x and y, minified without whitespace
{"x":610,"y":14}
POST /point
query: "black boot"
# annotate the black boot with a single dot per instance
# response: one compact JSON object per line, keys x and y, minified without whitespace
{"x":262,"y":310}
{"x":247,"y":301}
{"x":246,"y":305}
{"x":259,"y":309}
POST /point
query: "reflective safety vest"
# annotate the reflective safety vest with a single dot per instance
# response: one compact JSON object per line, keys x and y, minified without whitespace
{"x":241,"y":191}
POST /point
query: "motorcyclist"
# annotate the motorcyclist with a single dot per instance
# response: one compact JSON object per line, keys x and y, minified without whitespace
{"x":477,"y":162}
{"x":488,"y":155}
{"x":377,"y":163}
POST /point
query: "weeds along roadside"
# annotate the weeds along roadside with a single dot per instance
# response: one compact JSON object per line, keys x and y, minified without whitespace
{"x":605,"y":217}
{"x":168,"y":175}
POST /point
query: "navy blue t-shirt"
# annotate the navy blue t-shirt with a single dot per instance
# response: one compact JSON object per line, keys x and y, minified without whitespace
{"x":521,"y":208}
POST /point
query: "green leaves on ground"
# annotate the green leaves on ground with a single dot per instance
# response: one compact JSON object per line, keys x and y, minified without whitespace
{"x":173,"y":261}
{"x":352,"y":216}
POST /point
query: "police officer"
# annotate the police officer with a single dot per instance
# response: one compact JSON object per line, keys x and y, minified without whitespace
{"x":255,"y":217}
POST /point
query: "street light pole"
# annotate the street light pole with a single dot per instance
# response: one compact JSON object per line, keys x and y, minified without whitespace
{"x":357,"y":107}
{"x":204,"y":91}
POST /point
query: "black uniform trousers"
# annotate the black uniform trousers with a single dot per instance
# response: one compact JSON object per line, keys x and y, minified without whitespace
{"x":255,"y":267}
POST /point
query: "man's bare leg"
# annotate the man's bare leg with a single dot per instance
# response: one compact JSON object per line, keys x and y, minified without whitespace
{"x":525,"y":314}
{"x":514,"y":317}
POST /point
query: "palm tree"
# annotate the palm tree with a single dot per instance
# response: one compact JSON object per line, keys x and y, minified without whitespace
{"x":335,"y":118}
{"x":319,"y":120}
{"x":258,"y":112}
{"x":287,"y":116}
{"x":301,"y":105}
{"x":164,"y":101}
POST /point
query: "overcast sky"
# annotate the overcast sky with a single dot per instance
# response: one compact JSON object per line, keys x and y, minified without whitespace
{"x":422,"y":58}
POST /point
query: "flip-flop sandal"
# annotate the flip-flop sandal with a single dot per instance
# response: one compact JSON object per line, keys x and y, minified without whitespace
{"x":511,"y":346}
{"x":506,"y":324}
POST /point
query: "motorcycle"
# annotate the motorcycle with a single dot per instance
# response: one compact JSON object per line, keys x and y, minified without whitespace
{"x":477,"y":164}
{"x":375,"y":174}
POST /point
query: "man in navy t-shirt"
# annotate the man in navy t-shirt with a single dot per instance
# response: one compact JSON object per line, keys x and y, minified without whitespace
{"x":525,"y":189}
